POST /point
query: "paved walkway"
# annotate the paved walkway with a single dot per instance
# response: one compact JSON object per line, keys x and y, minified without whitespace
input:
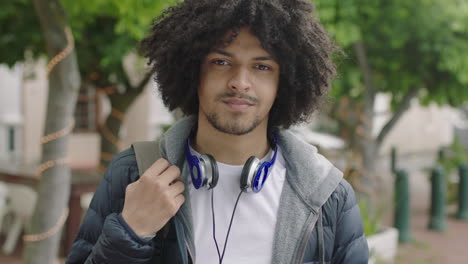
{"x":449,"y":247}
{"x":15,"y":258}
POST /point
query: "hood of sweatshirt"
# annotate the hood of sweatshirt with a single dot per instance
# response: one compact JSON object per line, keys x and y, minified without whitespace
{"x":311,"y":177}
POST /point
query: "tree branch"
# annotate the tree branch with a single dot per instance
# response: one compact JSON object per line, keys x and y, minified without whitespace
{"x":370,"y":88}
{"x":125,"y":79}
{"x":139,"y":88}
{"x":402,"y":107}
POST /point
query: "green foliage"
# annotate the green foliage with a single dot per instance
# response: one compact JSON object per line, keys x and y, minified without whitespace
{"x":409,"y":43}
{"x":133,"y":17}
{"x":19,"y":31}
{"x":371,"y":223}
{"x":105,"y":31}
{"x":454,"y":156}
{"x":421,"y":42}
{"x":451,"y":159}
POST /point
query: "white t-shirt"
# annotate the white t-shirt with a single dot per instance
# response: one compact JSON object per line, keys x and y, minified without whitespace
{"x":252,"y":232}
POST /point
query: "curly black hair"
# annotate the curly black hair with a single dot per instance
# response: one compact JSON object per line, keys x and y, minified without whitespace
{"x":184,"y":34}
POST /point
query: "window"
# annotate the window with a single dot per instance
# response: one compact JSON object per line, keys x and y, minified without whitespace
{"x":86,"y":110}
{"x":11,"y":140}
{"x":10,"y":147}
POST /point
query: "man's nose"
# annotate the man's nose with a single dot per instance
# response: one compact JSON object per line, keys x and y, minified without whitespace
{"x":240,"y":79}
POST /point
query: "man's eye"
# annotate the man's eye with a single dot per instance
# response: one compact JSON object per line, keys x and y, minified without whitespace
{"x":220,"y":62}
{"x":263,"y":67}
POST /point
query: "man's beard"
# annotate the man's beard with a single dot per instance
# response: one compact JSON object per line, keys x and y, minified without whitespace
{"x":231,"y":127}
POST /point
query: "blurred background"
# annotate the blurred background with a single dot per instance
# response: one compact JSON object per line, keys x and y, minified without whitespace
{"x":396,"y":122}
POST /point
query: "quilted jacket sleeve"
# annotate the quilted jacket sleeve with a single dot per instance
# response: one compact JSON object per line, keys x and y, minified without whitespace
{"x":104,"y":237}
{"x":350,"y":242}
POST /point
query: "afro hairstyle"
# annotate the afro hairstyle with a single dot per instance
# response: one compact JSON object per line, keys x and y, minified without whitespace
{"x":182,"y":36}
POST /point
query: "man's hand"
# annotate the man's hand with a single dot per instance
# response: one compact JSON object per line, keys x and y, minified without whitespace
{"x":152,"y":200}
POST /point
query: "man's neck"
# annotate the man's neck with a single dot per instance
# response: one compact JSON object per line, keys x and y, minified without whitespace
{"x":231,"y":149}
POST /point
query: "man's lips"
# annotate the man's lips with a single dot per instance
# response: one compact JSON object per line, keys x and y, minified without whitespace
{"x":238,"y":104}
{"x":238,"y":101}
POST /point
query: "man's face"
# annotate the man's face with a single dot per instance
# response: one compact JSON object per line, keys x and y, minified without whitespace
{"x":238,"y":85}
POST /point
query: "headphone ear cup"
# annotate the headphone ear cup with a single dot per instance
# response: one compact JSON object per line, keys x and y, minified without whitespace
{"x":247,"y":172}
{"x":214,"y":169}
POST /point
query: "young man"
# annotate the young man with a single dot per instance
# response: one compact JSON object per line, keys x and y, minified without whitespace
{"x":232,"y":185}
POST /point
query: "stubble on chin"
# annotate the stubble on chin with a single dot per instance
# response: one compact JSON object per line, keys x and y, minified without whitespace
{"x":232,"y":127}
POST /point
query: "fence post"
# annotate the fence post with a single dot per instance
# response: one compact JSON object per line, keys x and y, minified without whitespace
{"x":438,"y":197}
{"x":463,"y":192}
{"x":402,"y":206}
{"x":393,"y":160}
{"x":441,"y":154}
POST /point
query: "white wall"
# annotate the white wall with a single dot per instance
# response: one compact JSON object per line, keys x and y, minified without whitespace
{"x":158,"y":114}
{"x":147,"y":114}
{"x":420,"y":129}
{"x":31,"y":96}
{"x":135,"y":125}
{"x":11,"y":112}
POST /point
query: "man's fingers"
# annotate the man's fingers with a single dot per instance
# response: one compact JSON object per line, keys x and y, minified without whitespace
{"x":180,"y":199}
{"x":170,"y":175}
{"x":177,"y":188}
{"x":162,"y":173}
{"x":157,"y":168}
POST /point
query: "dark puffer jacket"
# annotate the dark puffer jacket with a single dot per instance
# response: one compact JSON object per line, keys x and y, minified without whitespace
{"x":338,"y":237}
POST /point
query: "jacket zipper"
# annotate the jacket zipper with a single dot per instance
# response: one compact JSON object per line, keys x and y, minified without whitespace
{"x":305,"y":240}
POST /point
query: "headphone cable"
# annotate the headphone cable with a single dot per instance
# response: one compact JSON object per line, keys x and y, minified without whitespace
{"x":214,"y":229}
{"x":229,"y":228}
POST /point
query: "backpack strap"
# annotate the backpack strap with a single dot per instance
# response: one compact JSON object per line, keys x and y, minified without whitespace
{"x":146,"y":152}
{"x":321,"y":241}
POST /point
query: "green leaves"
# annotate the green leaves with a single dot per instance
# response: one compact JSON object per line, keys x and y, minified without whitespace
{"x":20,"y":31}
{"x":132,"y":17}
{"x":104,"y":30}
{"x":421,"y":42}
{"x":107,"y":30}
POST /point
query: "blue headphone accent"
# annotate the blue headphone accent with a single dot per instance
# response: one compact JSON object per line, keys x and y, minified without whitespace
{"x":264,"y":171}
{"x":204,"y":170}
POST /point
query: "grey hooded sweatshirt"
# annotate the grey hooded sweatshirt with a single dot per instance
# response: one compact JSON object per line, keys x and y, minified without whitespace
{"x":318,"y":220}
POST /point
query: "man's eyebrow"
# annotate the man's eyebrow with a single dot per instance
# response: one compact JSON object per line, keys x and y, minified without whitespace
{"x":264,"y":58}
{"x":227,"y":54}
{"x":223,"y":52}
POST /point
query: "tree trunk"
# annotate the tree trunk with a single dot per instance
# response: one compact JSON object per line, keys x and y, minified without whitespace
{"x":369,"y":145}
{"x":366,"y":143}
{"x":110,"y":131}
{"x":54,"y":185}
